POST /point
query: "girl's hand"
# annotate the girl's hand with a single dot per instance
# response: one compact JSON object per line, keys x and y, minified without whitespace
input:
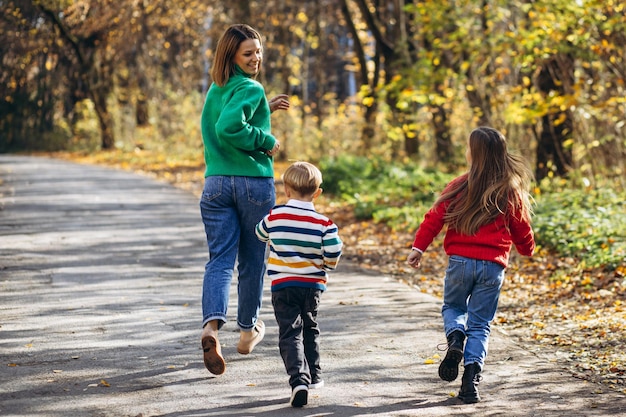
{"x":280,"y":102}
{"x":414,"y":259}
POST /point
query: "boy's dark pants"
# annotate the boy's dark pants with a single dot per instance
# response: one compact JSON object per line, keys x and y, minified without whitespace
{"x":295,"y":310}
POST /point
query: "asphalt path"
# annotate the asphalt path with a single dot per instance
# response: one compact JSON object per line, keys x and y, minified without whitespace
{"x":100,"y":313}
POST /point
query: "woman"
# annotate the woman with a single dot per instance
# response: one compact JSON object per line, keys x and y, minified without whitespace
{"x":238,"y":190}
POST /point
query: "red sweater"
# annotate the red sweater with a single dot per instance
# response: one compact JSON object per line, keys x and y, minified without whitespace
{"x":492,"y":242}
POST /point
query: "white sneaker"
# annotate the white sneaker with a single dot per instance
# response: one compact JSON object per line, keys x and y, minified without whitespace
{"x":318,"y":384}
{"x":299,"y":396}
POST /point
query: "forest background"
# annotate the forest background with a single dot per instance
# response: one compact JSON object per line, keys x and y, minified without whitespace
{"x":383,"y":96}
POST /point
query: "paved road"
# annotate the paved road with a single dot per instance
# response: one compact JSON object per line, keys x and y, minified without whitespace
{"x":100,"y":278}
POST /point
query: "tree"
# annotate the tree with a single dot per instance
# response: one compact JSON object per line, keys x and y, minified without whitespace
{"x":27,"y":106}
{"x":89,"y":33}
{"x":85,"y":49}
{"x":568,"y":65}
{"x":391,"y":29}
{"x":548,"y":73}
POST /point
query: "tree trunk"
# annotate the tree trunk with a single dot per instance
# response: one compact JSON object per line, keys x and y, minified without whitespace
{"x":443,"y":141}
{"x":552,"y":155}
{"x":104,"y":119}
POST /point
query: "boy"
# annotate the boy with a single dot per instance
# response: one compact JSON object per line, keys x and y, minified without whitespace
{"x":303,"y":246}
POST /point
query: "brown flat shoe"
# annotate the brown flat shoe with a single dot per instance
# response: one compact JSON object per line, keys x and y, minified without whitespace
{"x":213,"y":360}
{"x":248,"y":340}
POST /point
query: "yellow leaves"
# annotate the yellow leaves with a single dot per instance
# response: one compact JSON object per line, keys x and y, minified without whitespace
{"x":368,"y":101}
{"x":432,"y":360}
{"x":537,"y":336}
{"x":586,"y":281}
{"x":302,"y":17}
{"x":102,"y":383}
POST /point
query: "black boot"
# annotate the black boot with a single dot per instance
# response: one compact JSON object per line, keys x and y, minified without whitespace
{"x":469,"y":384}
{"x":449,"y":367}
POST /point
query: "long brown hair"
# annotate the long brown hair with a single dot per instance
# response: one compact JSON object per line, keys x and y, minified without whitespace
{"x":497,"y":183}
{"x":227,"y":46}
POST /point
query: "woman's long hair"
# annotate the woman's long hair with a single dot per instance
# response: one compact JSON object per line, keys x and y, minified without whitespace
{"x":497,"y":184}
{"x":227,"y":46}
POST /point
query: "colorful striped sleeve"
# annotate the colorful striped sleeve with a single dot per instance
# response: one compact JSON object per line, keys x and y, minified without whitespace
{"x":331,"y":247}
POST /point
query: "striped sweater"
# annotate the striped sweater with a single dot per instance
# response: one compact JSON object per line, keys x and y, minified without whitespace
{"x":304,"y":245}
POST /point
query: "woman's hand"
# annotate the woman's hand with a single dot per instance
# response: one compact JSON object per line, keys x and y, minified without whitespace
{"x":280,"y":102}
{"x":274,"y":150}
{"x":414,"y":259}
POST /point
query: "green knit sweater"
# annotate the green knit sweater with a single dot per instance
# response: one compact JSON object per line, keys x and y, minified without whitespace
{"x":236,"y":129}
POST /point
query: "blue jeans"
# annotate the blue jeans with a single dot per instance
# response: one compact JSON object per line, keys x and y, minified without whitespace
{"x":231,"y":207}
{"x":470,"y":300}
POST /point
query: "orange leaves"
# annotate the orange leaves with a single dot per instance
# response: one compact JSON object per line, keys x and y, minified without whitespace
{"x":586,"y":281}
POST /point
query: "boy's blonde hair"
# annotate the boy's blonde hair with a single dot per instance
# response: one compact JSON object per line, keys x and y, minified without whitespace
{"x":303,"y":177}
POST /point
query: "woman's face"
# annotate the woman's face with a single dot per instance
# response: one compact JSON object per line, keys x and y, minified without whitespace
{"x":249,"y":56}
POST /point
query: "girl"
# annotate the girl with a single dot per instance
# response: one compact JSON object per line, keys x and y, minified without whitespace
{"x":238,"y":189}
{"x":485,"y":210}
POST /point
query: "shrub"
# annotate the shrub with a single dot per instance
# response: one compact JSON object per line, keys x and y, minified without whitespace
{"x":397,"y":194}
{"x":587,"y":224}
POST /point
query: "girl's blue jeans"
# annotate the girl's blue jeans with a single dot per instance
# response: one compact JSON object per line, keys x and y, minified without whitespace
{"x":470,"y":300}
{"x":231,"y":207}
